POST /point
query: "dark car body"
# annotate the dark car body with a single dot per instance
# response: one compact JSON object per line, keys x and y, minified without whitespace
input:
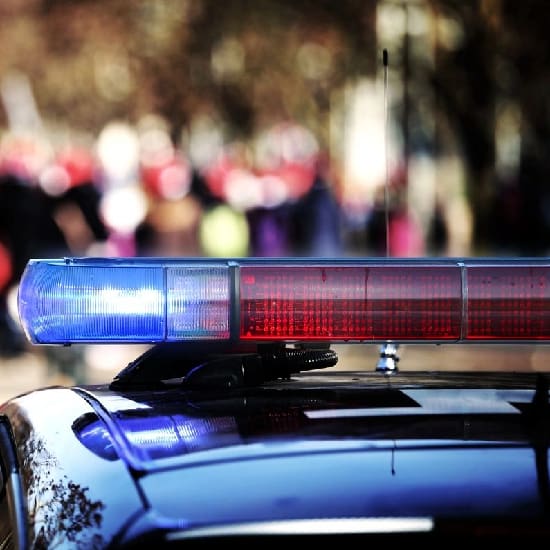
{"x":327,"y":453}
{"x":244,"y":421}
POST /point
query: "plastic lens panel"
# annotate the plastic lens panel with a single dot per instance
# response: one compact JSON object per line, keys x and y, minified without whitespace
{"x":123,"y":301}
{"x":351,"y":302}
{"x":92,"y":303}
{"x":198,"y":302}
{"x":508,"y":303}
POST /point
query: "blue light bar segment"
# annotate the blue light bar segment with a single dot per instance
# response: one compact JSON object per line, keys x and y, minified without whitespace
{"x":198,"y":301}
{"x":103,"y":300}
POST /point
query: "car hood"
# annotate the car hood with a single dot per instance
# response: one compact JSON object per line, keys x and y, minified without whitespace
{"x":334,"y":445}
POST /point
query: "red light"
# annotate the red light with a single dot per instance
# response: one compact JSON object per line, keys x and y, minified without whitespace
{"x":351,"y":302}
{"x":508,"y":303}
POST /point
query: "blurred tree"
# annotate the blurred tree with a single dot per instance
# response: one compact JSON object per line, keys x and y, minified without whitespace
{"x":255,"y":61}
{"x":465,"y":91}
{"x":501,"y":60}
{"x":525,"y":62}
{"x":92,"y":61}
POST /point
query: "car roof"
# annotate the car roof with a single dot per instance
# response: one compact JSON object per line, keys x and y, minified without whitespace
{"x":321,"y":445}
{"x":331,"y":405}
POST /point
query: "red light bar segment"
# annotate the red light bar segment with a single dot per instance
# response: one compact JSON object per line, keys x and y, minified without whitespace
{"x":508,"y":303}
{"x":398,"y":302}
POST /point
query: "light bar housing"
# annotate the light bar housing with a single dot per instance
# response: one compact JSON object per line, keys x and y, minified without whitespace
{"x":91,"y":300}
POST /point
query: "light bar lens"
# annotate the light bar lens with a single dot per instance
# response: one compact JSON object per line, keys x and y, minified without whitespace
{"x":116,"y":301}
{"x":508,"y":302}
{"x":364,"y":303}
{"x":155,"y":300}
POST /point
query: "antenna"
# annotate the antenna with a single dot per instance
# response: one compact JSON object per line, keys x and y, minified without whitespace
{"x":387,"y":363}
{"x":386,"y":183}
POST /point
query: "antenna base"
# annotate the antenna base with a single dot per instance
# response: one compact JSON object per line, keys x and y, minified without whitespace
{"x":387,"y":363}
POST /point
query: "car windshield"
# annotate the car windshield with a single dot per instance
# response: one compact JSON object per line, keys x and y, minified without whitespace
{"x":358,"y":131}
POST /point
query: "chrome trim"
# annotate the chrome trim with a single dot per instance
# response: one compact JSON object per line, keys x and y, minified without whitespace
{"x":318,"y":526}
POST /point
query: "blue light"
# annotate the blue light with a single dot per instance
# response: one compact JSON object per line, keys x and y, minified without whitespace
{"x":159,"y":436}
{"x":102,"y":300}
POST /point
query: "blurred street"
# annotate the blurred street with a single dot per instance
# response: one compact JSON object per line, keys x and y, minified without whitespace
{"x":35,"y":368}
{"x":31,"y":370}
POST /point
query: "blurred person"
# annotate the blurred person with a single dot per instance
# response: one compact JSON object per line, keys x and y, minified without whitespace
{"x":291,"y":218}
{"x":11,"y":341}
{"x":437,"y":237}
{"x":170,"y":225}
{"x":405,"y":236}
{"x":269,"y":231}
{"x":27,"y":226}
{"x":76,"y":213}
{"x":263,"y":197}
{"x":289,"y":151}
{"x":123,"y":204}
{"x":5,"y":266}
{"x":169,"y":228}
{"x":27,"y":230}
{"x":263,"y":180}
{"x":74,"y":199}
{"x":317,"y":219}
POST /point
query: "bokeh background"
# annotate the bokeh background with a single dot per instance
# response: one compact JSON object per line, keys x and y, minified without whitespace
{"x":267,"y":128}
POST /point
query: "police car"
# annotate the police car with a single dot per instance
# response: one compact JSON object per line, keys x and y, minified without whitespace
{"x":234,"y":426}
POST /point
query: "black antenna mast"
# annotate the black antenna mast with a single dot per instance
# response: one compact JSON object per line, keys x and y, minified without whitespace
{"x":386,"y":182}
{"x":387,"y":363}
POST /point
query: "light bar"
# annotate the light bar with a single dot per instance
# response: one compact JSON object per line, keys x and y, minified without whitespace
{"x":261,"y":300}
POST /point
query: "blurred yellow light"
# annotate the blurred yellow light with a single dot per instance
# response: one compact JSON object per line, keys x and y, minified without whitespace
{"x":224,"y":233}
